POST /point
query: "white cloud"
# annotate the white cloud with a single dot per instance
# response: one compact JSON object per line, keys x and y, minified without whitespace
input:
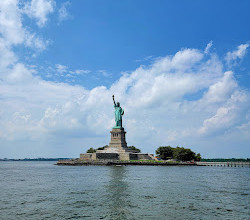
{"x":232,"y":57}
{"x":39,"y":9}
{"x":209,"y":45}
{"x":10,"y":22}
{"x":7,"y":56}
{"x":81,"y":72}
{"x":63,"y":13}
{"x":12,"y":31}
{"x":181,"y":61}
{"x":61,"y":68}
{"x":228,"y":115}
{"x":36,"y":42}
{"x":153,"y":98}
{"x":19,"y":73}
{"x":157,"y":110}
{"x":104,"y":73}
{"x":222,"y":89}
{"x":144,"y":59}
{"x":64,"y":71}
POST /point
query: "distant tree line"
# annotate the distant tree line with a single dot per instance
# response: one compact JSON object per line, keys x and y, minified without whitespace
{"x":178,"y":153}
{"x":35,"y":159}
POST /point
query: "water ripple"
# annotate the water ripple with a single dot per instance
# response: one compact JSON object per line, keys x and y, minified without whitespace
{"x":40,"y":190}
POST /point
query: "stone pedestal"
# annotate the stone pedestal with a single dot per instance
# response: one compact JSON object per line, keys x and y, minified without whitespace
{"x":117,"y":149}
{"x":118,"y":139}
{"x":117,"y":143}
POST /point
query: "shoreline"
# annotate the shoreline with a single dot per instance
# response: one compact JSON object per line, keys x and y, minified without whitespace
{"x":77,"y":162}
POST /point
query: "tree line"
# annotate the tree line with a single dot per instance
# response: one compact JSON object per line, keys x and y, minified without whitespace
{"x":177,"y":153}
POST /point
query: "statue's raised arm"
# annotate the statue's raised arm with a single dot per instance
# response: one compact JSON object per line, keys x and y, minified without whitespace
{"x":113,"y":99}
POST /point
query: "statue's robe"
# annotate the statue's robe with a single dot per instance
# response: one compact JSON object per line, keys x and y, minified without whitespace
{"x":118,"y":115}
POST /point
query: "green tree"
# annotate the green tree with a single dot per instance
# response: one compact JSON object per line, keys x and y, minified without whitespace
{"x":165,"y":152}
{"x":183,"y":154}
{"x":178,"y":153}
{"x":136,"y":150}
{"x":91,"y":150}
{"x":198,"y":157}
{"x":102,"y":148}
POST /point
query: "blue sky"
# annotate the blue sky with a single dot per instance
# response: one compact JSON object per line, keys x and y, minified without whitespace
{"x":179,"y":68}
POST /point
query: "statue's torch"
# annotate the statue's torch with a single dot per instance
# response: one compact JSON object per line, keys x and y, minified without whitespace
{"x":113,"y":99}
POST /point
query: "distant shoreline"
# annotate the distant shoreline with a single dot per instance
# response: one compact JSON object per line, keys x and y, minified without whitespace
{"x":36,"y":159}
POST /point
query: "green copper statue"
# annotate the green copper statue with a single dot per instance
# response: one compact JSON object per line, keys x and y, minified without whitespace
{"x":119,"y":112}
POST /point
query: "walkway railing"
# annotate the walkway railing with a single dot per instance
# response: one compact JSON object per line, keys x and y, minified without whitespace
{"x":224,"y":164}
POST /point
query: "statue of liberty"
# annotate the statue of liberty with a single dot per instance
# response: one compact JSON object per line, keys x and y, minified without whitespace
{"x":119,"y":112}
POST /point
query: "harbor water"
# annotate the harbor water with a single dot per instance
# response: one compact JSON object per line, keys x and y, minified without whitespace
{"x":42,"y":190}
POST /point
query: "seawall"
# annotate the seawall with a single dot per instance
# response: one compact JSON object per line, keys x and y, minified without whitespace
{"x":77,"y":162}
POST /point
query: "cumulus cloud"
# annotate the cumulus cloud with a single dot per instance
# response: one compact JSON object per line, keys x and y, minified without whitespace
{"x":12,"y":32}
{"x":39,"y":9}
{"x":10,"y":22}
{"x":155,"y":98}
{"x":222,"y":89}
{"x":228,"y":115}
{"x":156,"y":111}
{"x":232,"y":57}
{"x":7,"y":56}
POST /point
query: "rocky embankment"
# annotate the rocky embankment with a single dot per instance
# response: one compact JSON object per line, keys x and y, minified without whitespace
{"x":79,"y":162}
